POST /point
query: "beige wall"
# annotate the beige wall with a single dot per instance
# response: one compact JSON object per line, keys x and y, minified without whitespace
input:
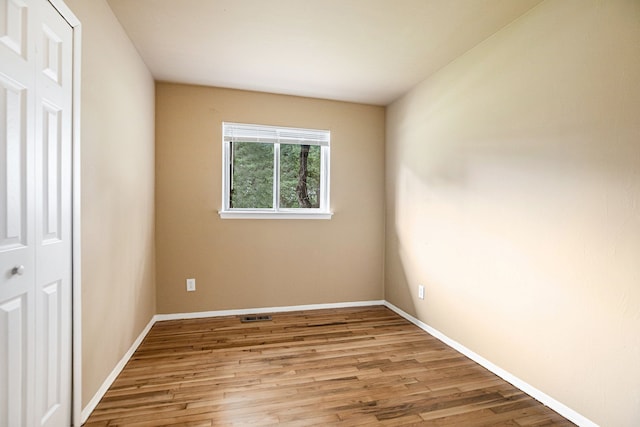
{"x":513,"y":195}
{"x":264,"y":263}
{"x":118,"y":283}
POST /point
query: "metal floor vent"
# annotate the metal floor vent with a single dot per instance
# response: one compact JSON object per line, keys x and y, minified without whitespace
{"x":247,"y":319}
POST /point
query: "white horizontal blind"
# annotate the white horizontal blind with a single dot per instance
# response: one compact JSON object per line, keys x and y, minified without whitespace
{"x":241,"y":132}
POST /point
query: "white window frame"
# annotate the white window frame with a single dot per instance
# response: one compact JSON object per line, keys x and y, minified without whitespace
{"x":276,"y":135}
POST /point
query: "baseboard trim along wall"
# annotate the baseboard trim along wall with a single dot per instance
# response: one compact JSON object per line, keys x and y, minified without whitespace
{"x":241,"y":312}
{"x":87,"y":410}
{"x":547,"y":400}
{"x":544,"y":398}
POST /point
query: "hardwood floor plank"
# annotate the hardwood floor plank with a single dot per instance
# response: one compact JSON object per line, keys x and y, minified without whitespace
{"x":349,"y":367}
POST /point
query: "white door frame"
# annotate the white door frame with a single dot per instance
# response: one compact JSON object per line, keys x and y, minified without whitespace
{"x":76,"y":316}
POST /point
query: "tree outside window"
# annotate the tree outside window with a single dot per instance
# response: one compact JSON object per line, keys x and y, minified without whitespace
{"x":275,"y":170}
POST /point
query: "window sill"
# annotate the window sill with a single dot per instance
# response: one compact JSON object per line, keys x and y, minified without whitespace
{"x":274,"y":215}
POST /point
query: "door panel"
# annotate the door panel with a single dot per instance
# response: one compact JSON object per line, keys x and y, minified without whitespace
{"x":53,"y":219}
{"x":13,"y":375}
{"x":13,"y":157}
{"x":50,"y":355}
{"x":17,"y":215}
{"x":35,"y":214}
{"x":51,"y":165}
{"x":13,"y":26}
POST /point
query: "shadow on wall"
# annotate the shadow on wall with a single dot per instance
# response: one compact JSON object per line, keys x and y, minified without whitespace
{"x":514,"y":197}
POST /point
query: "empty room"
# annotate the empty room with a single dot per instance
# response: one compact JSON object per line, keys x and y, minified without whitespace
{"x":320,"y":212}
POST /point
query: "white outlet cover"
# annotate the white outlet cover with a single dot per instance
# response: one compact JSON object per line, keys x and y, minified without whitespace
{"x":191,"y":285}
{"x":421,"y":291}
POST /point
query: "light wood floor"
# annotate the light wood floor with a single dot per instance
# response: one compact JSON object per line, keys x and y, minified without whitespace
{"x":346,"y":367}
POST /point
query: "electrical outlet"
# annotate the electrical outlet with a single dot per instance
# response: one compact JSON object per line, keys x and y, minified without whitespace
{"x":421,"y":291}
{"x":191,"y":285}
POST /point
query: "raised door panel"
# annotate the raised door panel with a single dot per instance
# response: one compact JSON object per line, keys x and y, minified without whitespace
{"x":52,"y":54}
{"x":51,"y":147}
{"x":13,"y":159}
{"x":13,"y":26}
{"x":53,"y":219}
{"x":50,"y":355}
{"x":14,"y":338}
{"x":17,"y":249}
{"x":35,"y":215}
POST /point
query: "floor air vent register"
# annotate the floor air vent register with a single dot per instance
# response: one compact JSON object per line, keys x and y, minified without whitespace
{"x":248,"y":319}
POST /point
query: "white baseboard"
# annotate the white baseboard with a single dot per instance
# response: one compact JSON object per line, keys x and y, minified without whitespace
{"x":87,"y":410}
{"x":282,"y":309}
{"x":544,"y":398}
{"x":547,"y":400}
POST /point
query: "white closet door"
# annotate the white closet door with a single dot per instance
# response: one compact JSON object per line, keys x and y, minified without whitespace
{"x":35,"y":214}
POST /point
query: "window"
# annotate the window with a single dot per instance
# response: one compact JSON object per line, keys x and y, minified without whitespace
{"x":275,"y":172}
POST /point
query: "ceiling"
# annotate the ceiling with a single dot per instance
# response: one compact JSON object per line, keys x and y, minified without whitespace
{"x":368,"y":51}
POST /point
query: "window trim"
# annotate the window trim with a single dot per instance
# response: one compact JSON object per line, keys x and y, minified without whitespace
{"x":276,"y":135}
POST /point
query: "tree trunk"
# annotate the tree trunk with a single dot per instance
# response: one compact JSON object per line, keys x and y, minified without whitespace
{"x":301,"y":188}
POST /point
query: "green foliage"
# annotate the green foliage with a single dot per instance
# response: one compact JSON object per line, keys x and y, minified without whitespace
{"x":252,"y":175}
{"x":289,"y":168}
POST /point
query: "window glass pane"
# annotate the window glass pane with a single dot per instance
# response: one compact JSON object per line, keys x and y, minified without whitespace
{"x":299,"y":176}
{"x":251,"y":175}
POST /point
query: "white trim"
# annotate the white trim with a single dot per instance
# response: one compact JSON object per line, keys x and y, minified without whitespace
{"x":86,"y":412}
{"x":76,"y":247}
{"x":66,"y":13}
{"x":276,"y":136}
{"x":276,"y":177}
{"x":76,"y":397}
{"x":282,"y":309}
{"x":540,"y":396}
{"x":246,"y":132}
{"x":115,"y":372}
{"x":545,"y":399}
{"x":237,"y":214}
